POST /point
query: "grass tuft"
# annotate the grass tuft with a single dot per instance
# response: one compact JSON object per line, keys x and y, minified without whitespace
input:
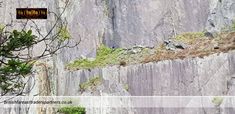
{"x":189,"y":37}
{"x":105,"y":56}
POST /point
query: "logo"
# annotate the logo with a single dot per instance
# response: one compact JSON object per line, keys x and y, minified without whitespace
{"x":31,"y":13}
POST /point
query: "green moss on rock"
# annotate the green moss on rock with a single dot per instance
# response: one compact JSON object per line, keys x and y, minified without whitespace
{"x":105,"y":56}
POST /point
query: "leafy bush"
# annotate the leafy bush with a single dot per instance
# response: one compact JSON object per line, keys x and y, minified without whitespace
{"x":72,"y":110}
{"x":12,"y":67}
{"x":16,"y":57}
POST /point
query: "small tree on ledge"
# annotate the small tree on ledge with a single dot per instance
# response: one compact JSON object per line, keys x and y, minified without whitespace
{"x":16,"y":58}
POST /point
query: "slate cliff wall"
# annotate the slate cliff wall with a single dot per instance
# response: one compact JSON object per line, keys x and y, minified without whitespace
{"x":127,"y":23}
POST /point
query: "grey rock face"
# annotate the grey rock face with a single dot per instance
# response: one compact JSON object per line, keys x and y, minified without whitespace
{"x":128,"y":23}
{"x":222,"y":13}
{"x":148,"y":22}
{"x":200,"y":75}
{"x":86,"y":22}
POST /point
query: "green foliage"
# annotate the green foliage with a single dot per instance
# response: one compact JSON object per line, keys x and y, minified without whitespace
{"x":20,"y":39}
{"x":105,"y":56}
{"x":17,"y":41}
{"x":217,"y":100}
{"x":72,"y":110}
{"x":12,"y":71}
{"x":16,"y":66}
{"x":189,"y":37}
{"x":16,"y":60}
{"x":91,"y":83}
{"x":233,"y":25}
{"x":12,"y":67}
{"x":126,"y":87}
{"x":1,"y":27}
{"x":64,"y":33}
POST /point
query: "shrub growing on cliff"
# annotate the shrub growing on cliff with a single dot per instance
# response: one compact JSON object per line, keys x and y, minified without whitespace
{"x":14,"y":66}
{"x":16,"y":56}
{"x":16,"y":62}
